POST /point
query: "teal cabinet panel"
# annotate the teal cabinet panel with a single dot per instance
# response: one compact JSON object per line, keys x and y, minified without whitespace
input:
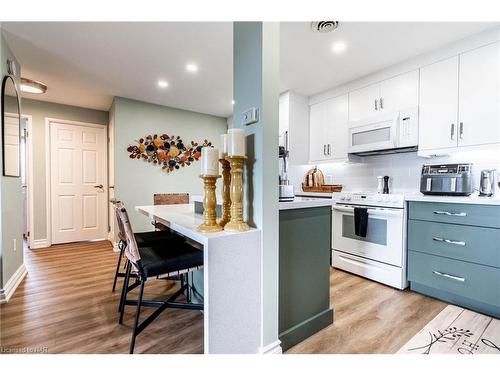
{"x":468,"y":243}
{"x":452,"y":213}
{"x":304,"y":273}
{"x":468,"y":280}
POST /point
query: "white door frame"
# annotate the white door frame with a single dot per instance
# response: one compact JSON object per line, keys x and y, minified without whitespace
{"x":48,"y":177}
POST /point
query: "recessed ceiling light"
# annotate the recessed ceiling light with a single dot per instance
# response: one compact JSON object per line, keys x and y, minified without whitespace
{"x":192,"y":68}
{"x":232,"y":102}
{"x":162,"y":83}
{"x":338,"y":47}
{"x":32,"y":87}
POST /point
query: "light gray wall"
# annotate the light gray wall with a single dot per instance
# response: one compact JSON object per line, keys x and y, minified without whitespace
{"x":40,"y":110}
{"x":135,"y":180}
{"x":256,"y":84}
{"x":11,"y":201}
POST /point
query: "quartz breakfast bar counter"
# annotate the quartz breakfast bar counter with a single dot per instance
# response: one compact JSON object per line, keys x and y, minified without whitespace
{"x":231,"y":280}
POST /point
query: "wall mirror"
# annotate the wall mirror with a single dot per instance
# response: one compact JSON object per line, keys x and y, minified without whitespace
{"x":11,"y":128}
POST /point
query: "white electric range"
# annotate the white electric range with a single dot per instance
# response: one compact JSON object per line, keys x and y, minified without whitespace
{"x":381,"y":254}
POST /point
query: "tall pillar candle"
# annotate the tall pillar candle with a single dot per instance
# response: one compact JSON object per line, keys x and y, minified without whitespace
{"x":236,"y":142}
{"x":223,"y":146}
{"x":209,"y":161}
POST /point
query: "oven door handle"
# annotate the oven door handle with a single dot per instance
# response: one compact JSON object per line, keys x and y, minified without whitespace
{"x":373,"y":211}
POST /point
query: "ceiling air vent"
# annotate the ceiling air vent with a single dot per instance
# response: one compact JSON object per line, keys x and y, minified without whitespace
{"x":324,"y":26}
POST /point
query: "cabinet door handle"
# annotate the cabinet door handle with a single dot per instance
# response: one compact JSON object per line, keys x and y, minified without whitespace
{"x":461,"y":130}
{"x":452,"y":132}
{"x":376,"y":105}
{"x":381,"y":103}
{"x":324,"y":149}
{"x":328,"y":149}
{"x":461,"y":214}
{"x":452,"y":242}
{"x":448,"y":276}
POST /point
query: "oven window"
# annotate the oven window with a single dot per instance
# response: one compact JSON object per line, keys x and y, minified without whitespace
{"x":371,"y":136}
{"x":376,"y":233}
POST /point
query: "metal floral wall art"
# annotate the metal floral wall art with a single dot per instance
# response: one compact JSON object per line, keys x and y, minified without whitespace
{"x":168,"y":151}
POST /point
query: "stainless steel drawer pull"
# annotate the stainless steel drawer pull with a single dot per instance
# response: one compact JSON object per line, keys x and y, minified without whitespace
{"x":439,"y":239}
{"x":461,"y":214}
{"x":456,"y":278}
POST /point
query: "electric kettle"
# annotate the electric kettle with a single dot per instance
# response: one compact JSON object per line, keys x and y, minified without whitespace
{"x":487,"y":184}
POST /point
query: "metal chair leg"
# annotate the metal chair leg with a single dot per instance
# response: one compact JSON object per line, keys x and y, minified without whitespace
{"x":120,"y":245}
{"x":123,"y":297}
{"x":137,"y":314}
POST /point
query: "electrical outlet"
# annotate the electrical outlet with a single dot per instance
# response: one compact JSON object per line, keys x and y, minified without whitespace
{"x":15,"y":244}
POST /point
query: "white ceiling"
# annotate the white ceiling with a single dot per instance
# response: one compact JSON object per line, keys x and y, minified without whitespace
{"x":87,"y":64}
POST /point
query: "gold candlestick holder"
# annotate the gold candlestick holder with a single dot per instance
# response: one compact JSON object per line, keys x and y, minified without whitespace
{"x":226,"y":192}
{"x":236,"y":223}
{"x":209,"y":204}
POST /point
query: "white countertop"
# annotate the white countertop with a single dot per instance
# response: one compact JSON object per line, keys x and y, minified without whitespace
{"x":305,"y":202}
{"x":471,"y":199}
{"x":182,"y":218}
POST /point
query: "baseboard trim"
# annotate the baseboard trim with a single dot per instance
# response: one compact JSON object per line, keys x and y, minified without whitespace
{"x":12,"y":284}
{"x":273,"y":348}
{"x":39,"y":244}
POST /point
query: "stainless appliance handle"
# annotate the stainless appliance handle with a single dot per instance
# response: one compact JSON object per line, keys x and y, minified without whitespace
{"x":452,"y":132}
{"x":448,"y":276}
{"x":376,"y":105}
{"x":452,"y":242}
{"x":373,"y":211}
{"x":461,"y":131}
{"x":461,"y":214}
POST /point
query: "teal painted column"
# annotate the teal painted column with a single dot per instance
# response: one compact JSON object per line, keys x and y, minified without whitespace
{"x":256,"y":48}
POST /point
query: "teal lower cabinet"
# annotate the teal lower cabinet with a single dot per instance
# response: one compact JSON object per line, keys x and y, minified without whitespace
{"x":458,"y":262}
{"x":304,"y":273}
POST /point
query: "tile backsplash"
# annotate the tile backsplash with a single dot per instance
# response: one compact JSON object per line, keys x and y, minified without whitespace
{"x":403,"y":170}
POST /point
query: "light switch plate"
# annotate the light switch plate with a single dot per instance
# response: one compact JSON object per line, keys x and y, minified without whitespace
{"x":250,"y":116}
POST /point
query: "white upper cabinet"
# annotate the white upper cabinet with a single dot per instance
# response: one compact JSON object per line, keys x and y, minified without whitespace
{"x":400,"y":92}
{"x":328,"y":130}
{"x":363,"y":103}
{"x":438,"y":127}
{"x":479,"y":96}
{"x":390,"y":95}
{"x":318,"y":131}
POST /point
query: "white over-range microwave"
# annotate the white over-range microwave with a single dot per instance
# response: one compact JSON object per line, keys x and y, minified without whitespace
{"x":385,"y":133}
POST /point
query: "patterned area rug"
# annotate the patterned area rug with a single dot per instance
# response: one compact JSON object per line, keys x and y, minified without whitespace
{"x":456,"y":331}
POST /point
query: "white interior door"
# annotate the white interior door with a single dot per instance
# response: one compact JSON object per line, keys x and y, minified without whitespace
{"x":78,"y":169}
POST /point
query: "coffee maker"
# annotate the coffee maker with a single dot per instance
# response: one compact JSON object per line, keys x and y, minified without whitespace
{"x":285,"y":189}
{"x":487,"y":183}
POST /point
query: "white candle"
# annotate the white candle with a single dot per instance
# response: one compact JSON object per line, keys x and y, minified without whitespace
{"x":223,"y":146}
{"x":236,"y":142}
{"x":209,"y":161}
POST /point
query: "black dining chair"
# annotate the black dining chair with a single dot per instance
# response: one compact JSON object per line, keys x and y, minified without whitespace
{"x":155,"y":262}
{"x":152,"y":238}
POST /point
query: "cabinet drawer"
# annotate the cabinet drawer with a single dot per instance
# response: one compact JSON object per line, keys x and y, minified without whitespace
{"x":477,"y":282}
{"x":469,"y":243}
{"x":465,"y":214}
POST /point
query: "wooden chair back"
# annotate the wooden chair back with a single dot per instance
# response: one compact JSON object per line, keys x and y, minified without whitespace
{"x":170,"y":198}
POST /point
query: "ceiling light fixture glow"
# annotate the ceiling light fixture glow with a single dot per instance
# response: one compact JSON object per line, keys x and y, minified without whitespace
{"x":162,"y":84}
{"x":32,"y":87}
{"x":339,"y":47}
{"x":232,"y":102}
{"x":192,"y":68}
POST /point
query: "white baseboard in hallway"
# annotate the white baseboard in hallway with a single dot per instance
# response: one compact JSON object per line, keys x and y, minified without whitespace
{"x":11,"y":285}
{"x":273,"y":348}
{"x":456,"y":330}
{"x":39,"y":244}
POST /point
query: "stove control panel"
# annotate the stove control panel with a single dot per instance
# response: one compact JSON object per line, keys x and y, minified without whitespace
{"x":370,"y":199}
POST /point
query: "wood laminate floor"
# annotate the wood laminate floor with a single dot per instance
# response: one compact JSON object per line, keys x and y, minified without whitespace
{"x":65,"y":305}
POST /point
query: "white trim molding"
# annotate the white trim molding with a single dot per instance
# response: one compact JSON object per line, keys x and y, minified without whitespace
{"x":272,"y":348}
{"x":39,"y":244}
{"x":11,"y":285}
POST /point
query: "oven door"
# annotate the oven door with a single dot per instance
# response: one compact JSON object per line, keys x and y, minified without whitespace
{"x":384,"y":237}
{"x":379,"y":134}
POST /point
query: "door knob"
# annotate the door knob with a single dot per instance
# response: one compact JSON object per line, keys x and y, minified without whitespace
{"x":99,"y":186}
